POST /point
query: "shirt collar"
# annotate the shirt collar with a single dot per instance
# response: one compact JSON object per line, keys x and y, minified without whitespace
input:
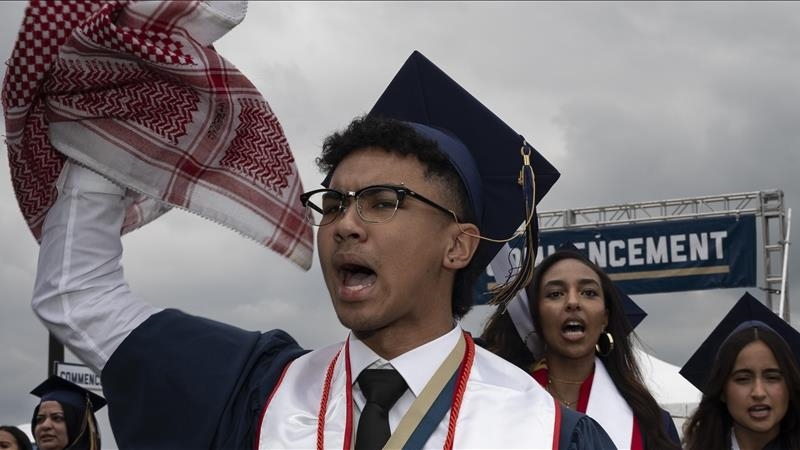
{"x":417,"y":366}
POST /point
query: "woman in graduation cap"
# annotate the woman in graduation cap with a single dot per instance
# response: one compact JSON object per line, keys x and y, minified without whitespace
{"x":64,"y":419}
{"x":751,"y":390}
{"x":577,"y":344}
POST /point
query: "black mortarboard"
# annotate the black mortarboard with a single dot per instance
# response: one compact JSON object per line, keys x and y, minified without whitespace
{"x":747,"y":312}
{"x":63,"y":391}
{"x":633,"y":312}
{"x":484,"y":150}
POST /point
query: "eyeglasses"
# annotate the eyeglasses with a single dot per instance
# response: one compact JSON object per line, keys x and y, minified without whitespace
{"x":379,"y":203}
{"x":374,"y":204}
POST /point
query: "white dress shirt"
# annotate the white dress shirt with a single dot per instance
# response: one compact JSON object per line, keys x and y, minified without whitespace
{"x":79,"y":278}
{"x":417,"y":367}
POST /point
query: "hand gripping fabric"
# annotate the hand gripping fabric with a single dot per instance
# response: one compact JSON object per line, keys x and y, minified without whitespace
{"x":382,"y":388}
{"x":135,"y":91}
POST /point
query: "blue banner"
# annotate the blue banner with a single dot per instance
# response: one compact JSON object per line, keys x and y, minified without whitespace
{"x":680,"y":255}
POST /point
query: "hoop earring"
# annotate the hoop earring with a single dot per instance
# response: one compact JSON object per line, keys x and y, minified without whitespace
{"x":610,"y":340}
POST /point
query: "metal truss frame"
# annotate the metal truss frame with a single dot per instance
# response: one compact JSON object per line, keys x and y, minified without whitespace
{"x":768,"y":205}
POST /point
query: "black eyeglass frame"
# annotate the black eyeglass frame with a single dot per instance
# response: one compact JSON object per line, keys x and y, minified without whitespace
{"x":401,"y":191}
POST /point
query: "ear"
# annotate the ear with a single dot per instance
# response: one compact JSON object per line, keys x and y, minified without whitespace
{"x":462,"y":244}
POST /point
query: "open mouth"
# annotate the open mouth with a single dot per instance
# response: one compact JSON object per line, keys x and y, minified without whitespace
{"x":356,"y":277}
{"x":573,"y":326}
{"x":759,"y":411}
{"x":573,"y":329}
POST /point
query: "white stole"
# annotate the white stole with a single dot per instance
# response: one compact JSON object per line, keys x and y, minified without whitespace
{"x":734,"y":441}
{"x":609,"y":409}
{"x":503,"y":407}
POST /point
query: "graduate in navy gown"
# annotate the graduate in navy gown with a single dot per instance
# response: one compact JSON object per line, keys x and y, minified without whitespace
{"x":65,"y":416}
{"x":575,"y":337}
{"x":419,"y":194}
{"x":748,"y":371}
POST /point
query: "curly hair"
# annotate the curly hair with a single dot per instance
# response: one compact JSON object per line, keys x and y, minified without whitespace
{"x":501,"y":338}
{"x":709,"y":426}
{"x":398,"y":138}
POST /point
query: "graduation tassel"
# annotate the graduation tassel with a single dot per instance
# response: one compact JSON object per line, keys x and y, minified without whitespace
{"x":89,"y":424}
{"x":94,"y":443}
{"x":504,"y":292}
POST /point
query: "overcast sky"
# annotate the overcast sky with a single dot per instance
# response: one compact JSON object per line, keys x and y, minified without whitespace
{"x":631,"y":101}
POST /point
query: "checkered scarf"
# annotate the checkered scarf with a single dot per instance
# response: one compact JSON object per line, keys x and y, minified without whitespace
{"x":135,"y":91}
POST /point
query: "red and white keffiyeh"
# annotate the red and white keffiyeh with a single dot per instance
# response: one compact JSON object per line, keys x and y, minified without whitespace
{"x":135,"y":91}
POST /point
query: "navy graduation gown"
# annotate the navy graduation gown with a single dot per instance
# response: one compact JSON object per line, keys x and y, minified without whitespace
{"x":185,"y":382}
{"x":581,"y":432}
{"x":669,"y":425}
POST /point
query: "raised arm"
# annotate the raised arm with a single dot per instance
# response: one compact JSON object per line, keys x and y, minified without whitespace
{"x":80,"y":292}
{"x":147,"y":354}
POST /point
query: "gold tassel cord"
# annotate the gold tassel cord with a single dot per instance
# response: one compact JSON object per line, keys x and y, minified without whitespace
{"x":87,"y":423}
{"x":504,"y":292}
{"x":93,"y":444}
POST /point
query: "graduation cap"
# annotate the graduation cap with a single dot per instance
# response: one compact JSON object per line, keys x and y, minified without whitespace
{"x":747,"y":312}
{"x":633,"y":312}
{"x":63,"y":391}
{"x":488,"y":155}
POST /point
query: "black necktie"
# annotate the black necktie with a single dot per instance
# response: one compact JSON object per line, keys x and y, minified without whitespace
{"x":382,"y":388}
